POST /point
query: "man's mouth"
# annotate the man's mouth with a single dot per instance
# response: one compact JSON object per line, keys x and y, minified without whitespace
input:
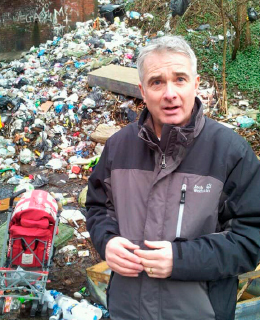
{"x":170,"y":108}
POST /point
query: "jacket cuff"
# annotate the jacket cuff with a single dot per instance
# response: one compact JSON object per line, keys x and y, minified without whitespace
{"x":177,"y":260}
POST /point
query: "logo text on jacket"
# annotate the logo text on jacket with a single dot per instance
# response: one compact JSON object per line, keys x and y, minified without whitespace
{"x":201,"y":189}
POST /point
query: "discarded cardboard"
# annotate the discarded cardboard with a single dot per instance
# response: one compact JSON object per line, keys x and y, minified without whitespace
{"x":117,"y":79}
{"x":99,"y":273}
{"x":46,"y":106}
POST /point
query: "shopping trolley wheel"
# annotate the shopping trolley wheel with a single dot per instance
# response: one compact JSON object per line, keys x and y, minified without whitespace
{"x":44,"y":311}
{"x":34,"y":308}
{"x":2,"y":304}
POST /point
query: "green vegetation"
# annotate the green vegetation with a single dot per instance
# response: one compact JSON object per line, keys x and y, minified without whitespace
{"x":242,"y":74}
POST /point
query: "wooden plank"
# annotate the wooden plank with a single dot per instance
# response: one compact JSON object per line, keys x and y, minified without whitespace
{"x":249,"y":275}
{"x":246,"y":296}
{"x":117,"y":79}
{"x":99,"y":273}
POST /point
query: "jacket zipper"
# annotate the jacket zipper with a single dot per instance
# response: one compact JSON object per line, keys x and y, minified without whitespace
{"x":163,"y":165}
{"x":181,"y":209}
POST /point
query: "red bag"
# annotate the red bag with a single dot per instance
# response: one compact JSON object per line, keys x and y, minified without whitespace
{"x":31,"y":229}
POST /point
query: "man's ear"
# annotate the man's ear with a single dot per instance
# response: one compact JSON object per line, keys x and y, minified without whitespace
{"x":197,"y":83}
{"x":142,"y":91}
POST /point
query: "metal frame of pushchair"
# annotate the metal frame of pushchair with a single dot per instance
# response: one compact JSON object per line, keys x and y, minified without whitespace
{"x":31,"y":283}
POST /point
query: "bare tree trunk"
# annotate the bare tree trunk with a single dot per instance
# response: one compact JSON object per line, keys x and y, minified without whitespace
{"x":224,"y":108}
{"x":246,"y":22}
{"x":248,"y":34}
{"x":239,"y":27}
{"x":236,"y":44}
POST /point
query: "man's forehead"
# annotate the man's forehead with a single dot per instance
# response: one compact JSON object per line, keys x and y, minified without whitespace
{"x":162,"y":60}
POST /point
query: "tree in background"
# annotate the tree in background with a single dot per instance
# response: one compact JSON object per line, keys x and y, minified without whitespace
{"x":237,"y":13}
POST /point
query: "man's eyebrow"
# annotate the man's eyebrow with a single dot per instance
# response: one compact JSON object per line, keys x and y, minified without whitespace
{"x":153,"y":78}
{"x":181,"y":74}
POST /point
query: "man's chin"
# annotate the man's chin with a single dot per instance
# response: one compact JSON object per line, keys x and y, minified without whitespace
{"x":174,"y":121}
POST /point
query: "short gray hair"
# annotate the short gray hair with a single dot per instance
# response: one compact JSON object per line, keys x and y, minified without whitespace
{"x":174,"y":44}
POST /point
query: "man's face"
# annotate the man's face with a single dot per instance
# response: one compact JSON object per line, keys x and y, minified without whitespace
{"x":168,"y":88}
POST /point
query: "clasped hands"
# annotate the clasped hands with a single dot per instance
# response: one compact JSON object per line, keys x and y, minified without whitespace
{"x":127,"y":259}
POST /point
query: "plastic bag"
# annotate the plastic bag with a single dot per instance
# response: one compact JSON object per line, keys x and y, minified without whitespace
{"x":252,"y":14}
{"x":245,"y":122}
{"x":178,"y":7}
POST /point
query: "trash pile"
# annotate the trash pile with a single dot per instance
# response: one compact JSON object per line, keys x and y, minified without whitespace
{"x":47,"y":110}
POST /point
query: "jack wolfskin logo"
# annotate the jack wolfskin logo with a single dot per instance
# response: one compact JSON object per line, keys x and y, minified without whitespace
{"x":201,"y":189}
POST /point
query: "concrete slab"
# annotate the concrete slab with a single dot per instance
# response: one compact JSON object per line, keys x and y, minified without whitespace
{"x":117,"y":79}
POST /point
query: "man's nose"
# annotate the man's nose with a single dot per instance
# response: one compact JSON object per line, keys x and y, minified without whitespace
{"x":170,"y":91}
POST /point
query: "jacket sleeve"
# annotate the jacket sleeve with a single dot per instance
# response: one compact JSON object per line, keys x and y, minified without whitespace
{"x":235,"y":249}
{"x":100,"y":224}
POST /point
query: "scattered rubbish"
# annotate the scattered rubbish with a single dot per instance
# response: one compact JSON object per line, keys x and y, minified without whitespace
{"x":83,"y":197}
{"x":73,"y":215}
{"x":69,"y":248}
{"x":71,"y":308}
{"x":203,"y":27}
{"x":243,"y":103}
{"x":83,"y":253}
{"x":26,"y":156}
{"x":97,"y":293}
{"x":40,"y":181}
{"x":110,"y":11}
{"x":178,"y":7}
{"x":26,"y":185}
{"x":92,"y":162}
{"x":134,"y":15}
{"x":252,"y":14}
{"x":245,"y":122}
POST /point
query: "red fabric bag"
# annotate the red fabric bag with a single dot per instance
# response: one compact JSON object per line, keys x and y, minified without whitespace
{"x":31,"y":229}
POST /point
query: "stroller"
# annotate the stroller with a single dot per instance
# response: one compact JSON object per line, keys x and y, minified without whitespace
{"x":25,"y":265}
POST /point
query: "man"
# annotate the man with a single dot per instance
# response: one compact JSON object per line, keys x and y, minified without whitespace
{"x":174,"y":203}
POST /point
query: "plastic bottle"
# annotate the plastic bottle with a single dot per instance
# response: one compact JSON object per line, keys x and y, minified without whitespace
{"x":89,"y":306}
{"x":73,"y":310}
{"x":56,"y":314}
{"x":65,"y":303}
{"x":81,"y":312}
{"x":48,"y":297}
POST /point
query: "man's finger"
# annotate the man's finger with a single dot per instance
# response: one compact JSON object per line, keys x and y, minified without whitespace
{"x":129,"y":245}
{"x":148,"y":254}
{"x":125,"y":254}
{"x":123,"y":263}
{"x":156,"y":244}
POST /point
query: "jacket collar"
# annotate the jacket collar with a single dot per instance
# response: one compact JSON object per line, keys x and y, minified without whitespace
{"x":172,"y":135}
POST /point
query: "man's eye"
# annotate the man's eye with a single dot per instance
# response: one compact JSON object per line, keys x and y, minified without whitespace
{"x":157,"y":82}
{"x":180,"y":79}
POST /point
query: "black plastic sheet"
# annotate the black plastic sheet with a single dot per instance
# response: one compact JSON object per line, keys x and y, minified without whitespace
{"x":178,"y":7}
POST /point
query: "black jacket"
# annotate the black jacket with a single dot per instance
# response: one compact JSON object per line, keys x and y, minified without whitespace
{"x":136,"y":191}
